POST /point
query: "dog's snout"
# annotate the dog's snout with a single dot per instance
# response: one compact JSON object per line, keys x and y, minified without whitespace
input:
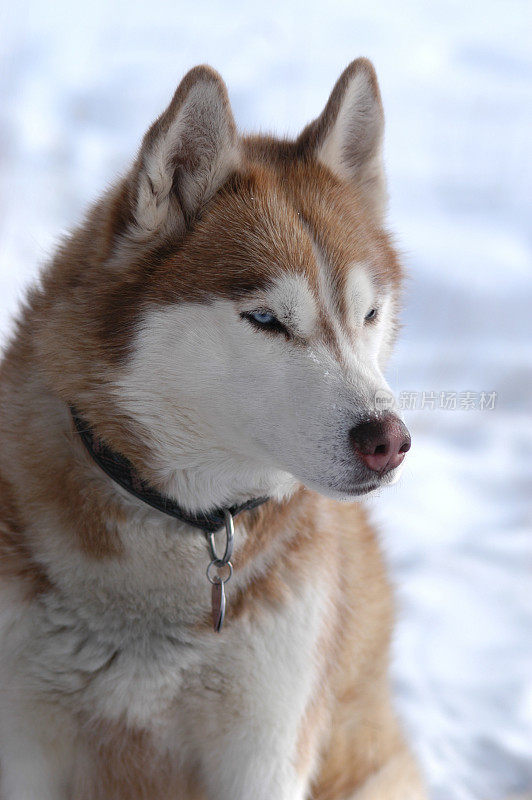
{"x":381,"y":442}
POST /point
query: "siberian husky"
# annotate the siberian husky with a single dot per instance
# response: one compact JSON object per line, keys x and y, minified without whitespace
{"x":189,"y":606}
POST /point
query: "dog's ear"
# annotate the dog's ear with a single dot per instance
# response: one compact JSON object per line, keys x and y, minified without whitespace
{"x":347,"y":136}
{"x":186,"y":155}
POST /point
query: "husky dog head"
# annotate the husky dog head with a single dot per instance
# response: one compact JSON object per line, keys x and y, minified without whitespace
{"x":232,"y":302}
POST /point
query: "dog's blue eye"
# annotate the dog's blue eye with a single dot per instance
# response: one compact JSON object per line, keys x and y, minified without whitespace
{"x":370,"y":315}
{"x":262,"y":317}
{"x":265,"y":320}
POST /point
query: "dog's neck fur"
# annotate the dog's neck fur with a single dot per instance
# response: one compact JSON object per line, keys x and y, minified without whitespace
{"x":124,"y":474}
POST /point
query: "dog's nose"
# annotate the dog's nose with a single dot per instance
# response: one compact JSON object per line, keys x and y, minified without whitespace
{"x":381,"y":442}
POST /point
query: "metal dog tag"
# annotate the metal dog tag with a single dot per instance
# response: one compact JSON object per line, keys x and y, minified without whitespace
{"x":218,"y":606}
{"x":219,"y":571}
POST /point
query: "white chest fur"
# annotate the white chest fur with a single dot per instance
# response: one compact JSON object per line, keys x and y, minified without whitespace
{"x":120,"y":643}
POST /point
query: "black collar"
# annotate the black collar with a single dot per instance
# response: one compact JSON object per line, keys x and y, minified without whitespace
{"x":122,"y":472}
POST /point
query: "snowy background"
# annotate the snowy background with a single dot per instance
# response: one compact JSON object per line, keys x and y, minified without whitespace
{"x":78,"y":86}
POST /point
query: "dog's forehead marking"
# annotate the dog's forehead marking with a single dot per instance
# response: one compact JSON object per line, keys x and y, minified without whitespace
{"x":293,"y":301}
{"x":359,"y":289}
{"x":344,"y":299}
{"x":324,"y":302}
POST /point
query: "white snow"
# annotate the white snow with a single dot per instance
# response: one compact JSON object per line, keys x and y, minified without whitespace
{"x":79,"y":83}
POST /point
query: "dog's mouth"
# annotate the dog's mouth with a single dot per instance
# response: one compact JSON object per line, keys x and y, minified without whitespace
{"x":366,"y":488}
{"x":345,"y":491}
{"x":359,"y":490}
{"x":377,"y":481}
{"x":351,"y":489}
